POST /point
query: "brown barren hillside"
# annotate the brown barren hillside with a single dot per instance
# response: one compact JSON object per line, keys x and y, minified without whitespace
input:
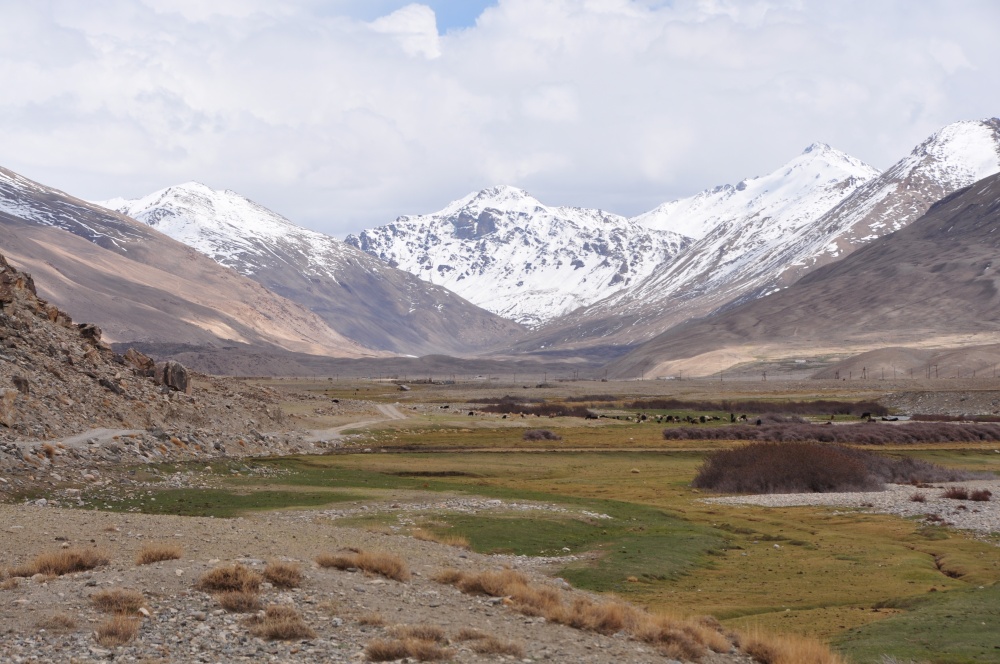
{"x":932,"y":284}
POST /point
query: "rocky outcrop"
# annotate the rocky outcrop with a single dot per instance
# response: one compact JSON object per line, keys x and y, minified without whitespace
{"x":173,"y":375}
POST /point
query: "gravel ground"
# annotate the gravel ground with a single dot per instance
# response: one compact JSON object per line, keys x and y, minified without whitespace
{"x":186,"y":625}
{"x":981,"y":517}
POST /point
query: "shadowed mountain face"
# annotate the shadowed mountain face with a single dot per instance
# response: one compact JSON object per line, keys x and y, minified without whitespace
{"x":139,"y":285}
{"x":931,"y":284}
{"x":356,"y":294}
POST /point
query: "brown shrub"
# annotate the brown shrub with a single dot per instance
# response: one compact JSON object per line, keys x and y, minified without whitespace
{"x":117,"y":600}
{"x":62,"y":562}
{"x":238,"y":601}
{"x":980,"y":495}
{"x":850,"y":434}
{"x":956,"y":493}
{"x":371,"y":619}
{"x":281,"y":623}
{"x":387,"y":650}
{"x":9,"y":584}
{"x":59,"y":622}
{"x":385,"y":564}
{"x":284,"y":575}
{"x":818,"y":407}
{"x":49,"y":451}
{"x":154,"y":553}
{"x":918,"y":498}
{"x":539,"y":434}
{"x":421,"y":632}
{"x":233,"y":577}
{"x":803,"y":467}
{"x":117,"y":631}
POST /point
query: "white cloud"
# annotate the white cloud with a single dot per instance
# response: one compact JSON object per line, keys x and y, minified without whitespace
{"x":340,"y":123}
{"x":415,"y":27}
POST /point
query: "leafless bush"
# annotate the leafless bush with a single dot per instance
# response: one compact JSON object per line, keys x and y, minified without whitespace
{"x":540,"y":434}
{"x":154,"y":553}
{"x":981,"y":495}
{"x":758,"y":407}
{"x":922,"y":417}
{"x":956,"y":493}
{"x":918,"y":498}
{"x":808,"y":468}
{"x":848,"y":434}
{"x":541,"y":410}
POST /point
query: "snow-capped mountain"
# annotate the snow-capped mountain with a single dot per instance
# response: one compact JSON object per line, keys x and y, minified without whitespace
{"x":954,"y":157}
{"x":139,"y":285}
{"x":514,"y":256}
{"x":358,"y":295}
{"x":751,"y":254}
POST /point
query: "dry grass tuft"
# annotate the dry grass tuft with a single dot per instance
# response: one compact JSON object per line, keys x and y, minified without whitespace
{"x":238,"y":601}
{"x":980,"y":495}
{"x":281,"y":623}
{"x":117,"y":600}
{"x":448,"y":540}
{"x":387,"y":650}
{"x":62,"y":562}
{"x":385,"y":564}
{"x":680,"y":639}
{"x":49,"y":451}
{"x":371,"y":619}
{"x":10,"y":584}
{"x":117,"y":631}
{"x":154,"y":553}
{"x":788,"y":649}
{"x":59,"y":622}
{"x":420,"y":632}
{"x":491,"y":645}
{"x":918,"y":498}
{"x":233,"y":577}
{"x":284,"y":575}
{"x":470,"y":634}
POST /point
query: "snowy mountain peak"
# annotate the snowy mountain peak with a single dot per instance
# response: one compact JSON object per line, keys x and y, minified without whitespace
{"x":511,"y":254}
{"x":963,"y":151}
{"x":799,"y":188}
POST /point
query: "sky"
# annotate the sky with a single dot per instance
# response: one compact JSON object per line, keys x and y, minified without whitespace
{"x":344,"y":114}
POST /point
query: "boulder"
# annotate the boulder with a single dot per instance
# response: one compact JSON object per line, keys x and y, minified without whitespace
{"x":140,"y":362}
{"x":174,"y":376}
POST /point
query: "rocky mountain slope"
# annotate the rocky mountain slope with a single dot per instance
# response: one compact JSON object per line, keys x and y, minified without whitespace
{"x":816,"y":209}
{"x":140,"y":285}
{"x":932,"y":284}
{"x":507,"y":252}
{"x":357,"y":295}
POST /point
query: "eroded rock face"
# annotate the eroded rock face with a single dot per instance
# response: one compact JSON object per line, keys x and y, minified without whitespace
{"x":8,"y":412}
